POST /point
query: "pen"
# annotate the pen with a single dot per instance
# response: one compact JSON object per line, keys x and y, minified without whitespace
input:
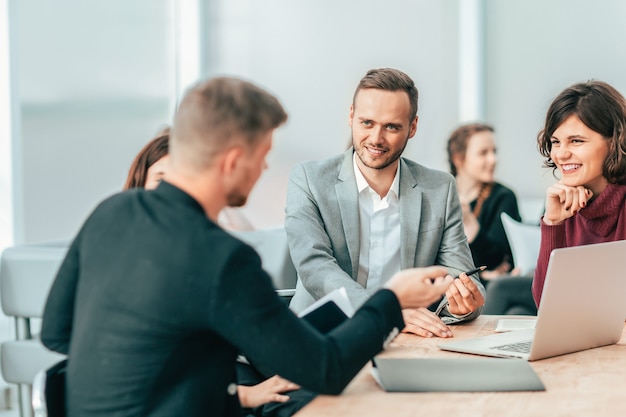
{"x":473,"y":271}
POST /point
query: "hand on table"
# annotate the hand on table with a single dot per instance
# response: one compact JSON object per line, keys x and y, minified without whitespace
{"x":270,"y":390}
{"x":425,"y":323}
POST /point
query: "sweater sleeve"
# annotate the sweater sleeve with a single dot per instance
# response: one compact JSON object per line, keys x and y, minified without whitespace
{"x":552,"y":237}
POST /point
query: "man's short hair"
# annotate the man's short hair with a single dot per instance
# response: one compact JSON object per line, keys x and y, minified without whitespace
{"x":219,"y":113}
{"x":389,"y":79}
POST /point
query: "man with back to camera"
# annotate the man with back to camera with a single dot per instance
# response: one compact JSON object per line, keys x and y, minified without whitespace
{"x":154,"y":300}
{"x":356,"y":219}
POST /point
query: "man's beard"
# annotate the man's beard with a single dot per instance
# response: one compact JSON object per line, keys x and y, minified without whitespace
{"x":236,"y":199}
{"x":381,"y":163}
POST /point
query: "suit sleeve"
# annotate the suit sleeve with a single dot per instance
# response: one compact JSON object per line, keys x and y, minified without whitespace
{"x":310,"y":246}
{"x":58,"y":314}
{"x":454,"y":252}
{"x":246,"y":311}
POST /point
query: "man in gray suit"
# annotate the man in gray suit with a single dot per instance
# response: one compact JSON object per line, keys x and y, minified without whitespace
{"x":356,"y":219}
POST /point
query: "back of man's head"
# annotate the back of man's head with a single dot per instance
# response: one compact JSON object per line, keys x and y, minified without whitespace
{"x":389,"y":79}
{"x":217,"y":114}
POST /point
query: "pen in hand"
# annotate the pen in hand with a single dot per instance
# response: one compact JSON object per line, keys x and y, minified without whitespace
{"x":468,"y":273}
{"x":473,"y":271}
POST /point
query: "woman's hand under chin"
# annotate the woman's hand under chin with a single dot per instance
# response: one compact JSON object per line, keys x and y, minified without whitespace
{"x":564,"y":201}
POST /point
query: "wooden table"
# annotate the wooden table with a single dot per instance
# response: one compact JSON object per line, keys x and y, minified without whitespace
{"x":583,"y":384}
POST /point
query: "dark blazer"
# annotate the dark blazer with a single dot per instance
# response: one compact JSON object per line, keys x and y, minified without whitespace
{"x":154,"y":301}
{"x":322,"y":225}
{"x":490,"y":246}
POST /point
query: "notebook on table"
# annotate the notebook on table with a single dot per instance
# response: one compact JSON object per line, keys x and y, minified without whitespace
{"x":583,"y":306}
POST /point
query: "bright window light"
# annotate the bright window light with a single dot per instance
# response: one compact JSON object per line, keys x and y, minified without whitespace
{"x":187,"y":32}
{"x":471,"y":60}
{"x":6,"y":188}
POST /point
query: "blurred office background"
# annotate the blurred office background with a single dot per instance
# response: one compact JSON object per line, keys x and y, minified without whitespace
{"x":85,"y":84}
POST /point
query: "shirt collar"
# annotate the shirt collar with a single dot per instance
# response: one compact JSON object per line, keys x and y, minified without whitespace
{"x":361,"y":182}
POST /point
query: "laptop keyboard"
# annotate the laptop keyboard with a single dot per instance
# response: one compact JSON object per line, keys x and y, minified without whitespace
{"x":522,"y":347}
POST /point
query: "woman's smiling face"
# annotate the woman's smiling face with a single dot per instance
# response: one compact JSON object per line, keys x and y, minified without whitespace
{"x":579,"y":154}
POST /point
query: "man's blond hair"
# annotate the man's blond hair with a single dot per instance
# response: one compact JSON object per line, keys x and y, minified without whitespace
{"x":219,"y":113}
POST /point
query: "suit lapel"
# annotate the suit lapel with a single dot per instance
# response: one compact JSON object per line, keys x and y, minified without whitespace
{"x":348,"y":200}
{"x":410,"y":213}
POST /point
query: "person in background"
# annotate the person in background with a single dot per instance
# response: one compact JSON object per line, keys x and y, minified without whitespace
{"x":150,"y":167}
{"x":255,"y":392}
{"x":584,"y":141}
{"x":154,"y":301}
{"x":472,"y":158}
{"x":357,"y":218}
{"x":151,"y":163}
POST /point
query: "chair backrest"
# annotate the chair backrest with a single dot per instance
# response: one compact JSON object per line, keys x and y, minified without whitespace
{"x":531,"y":209}
{"x":524,"y":240}
{"x":272,"y":247}
{"x":26,"y":274}
{"x":49,"y":391}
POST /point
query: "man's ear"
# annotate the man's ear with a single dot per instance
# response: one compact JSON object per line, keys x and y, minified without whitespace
{"x":413,"y":127}
{"x":231,"y":159}
{"x":351,"y":115}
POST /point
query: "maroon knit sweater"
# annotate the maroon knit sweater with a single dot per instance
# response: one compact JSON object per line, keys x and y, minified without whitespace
{"x":603,"y":220}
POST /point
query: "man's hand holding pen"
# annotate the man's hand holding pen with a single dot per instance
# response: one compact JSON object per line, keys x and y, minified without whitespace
{"x":463,"y":298}
{"x":463,"y":294}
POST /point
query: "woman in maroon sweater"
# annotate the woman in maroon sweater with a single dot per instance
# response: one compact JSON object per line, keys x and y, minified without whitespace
{"x":584,"y":138}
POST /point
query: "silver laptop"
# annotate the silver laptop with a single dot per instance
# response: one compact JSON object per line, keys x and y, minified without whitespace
{"x":583,"y":306}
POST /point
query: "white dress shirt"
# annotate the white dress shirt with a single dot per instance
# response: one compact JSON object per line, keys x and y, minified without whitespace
{"x":379,"y":220}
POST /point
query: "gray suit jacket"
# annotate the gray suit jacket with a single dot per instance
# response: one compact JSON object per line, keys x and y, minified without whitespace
{"x":322,"y":225}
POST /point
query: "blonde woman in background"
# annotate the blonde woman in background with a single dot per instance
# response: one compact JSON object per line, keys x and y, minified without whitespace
{"x":472,"y":159}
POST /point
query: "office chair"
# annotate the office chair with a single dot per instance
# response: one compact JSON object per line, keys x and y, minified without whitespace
{"x":26,"y":274}
{"x":512,"y":294}
{"x":524,"y":240}
{"x":48,"y":398}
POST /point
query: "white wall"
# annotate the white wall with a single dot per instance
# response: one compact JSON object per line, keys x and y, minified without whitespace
{"x":535,"y":49}
{"x":312,"y":54}
{"x":95,"y":82}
